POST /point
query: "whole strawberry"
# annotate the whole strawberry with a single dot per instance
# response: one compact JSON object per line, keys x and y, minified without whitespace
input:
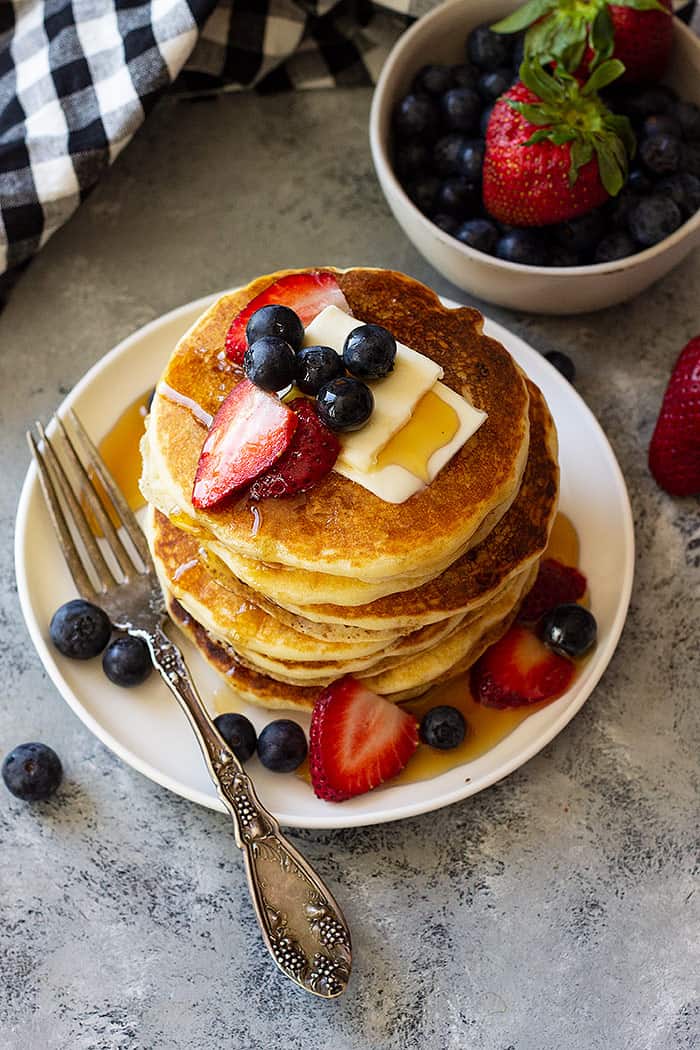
{"x":579,"y":36}
{"x":674,"y":452}
{"x":553,"y":150}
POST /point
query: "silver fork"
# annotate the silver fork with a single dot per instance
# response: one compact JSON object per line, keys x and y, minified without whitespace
{"x":302,"y":926}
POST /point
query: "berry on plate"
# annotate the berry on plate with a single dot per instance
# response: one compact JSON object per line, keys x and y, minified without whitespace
{"x":32,"y":772}
{"x":80,"y":629}
{"x":239,"y":733}
{"x":345,"y":403}
{"x":553,"y":149}
{"x":357,"y":740}
{"x":518,"y":670}
{"x":304,"y":293}
{"x":310,"y":456}
{"x":555,"y":583}
{"x":369,"y":352}
{"x":275,"y":320}
{"x":674,"y":452}
{"x":270,"y":363}
{"x":248,"y":434}
{"x":569,"y":630}
{"x":316,"y":366}
{"x":443,"y":727}
{"x":126,"y":661}
{"x":282,"y":746}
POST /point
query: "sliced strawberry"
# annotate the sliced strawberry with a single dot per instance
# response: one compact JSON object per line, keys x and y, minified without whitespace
{"x":310,"y":456}
{"x":305,"y":293}
{"x":555,"y":584}
{"x":357,"y":740}
{"x":519,"y":670}
{"x":674,"y":452}
{"x":249,"y":432}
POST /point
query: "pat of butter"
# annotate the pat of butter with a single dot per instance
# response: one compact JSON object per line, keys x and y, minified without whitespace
{"x":395,"y":396}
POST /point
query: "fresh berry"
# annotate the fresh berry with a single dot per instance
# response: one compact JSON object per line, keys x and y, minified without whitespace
{"x":638,"y":181}
{"x":488,"y":50}
{"x":555,"y":583}
{"x":433,"y":79}
{"x":80,"y":629}
{"x":275,"y":320}
{"x":617,"y":245}
{"x":582,"y":234}
{"x":248,"y":434}
{"x":270,"y":362}
{"x":569,"y":158}
{"x":464,"y":75}
{"x":684,"y":190}
{"x":461,"y":109}
{"x":569,"y":630}
{"x":416,"y":117}
{"x":484,"y":121}
{"x":447,"y":223}
{"x":662,"y":124}
{"x":369,"y":352}
{"x":310,"y":456}
{"x":32,"y":772}
{"x":562,"y":363}
{"x":518,"y":670}
{"x":423,"y":191}
{"x":471,"y":159}
{"x":127,"y":661}
{"x":316,"y":366}
{"x":282,"y":746}
{"x":305,"y":293}
{"x":410,"y":158}
{"x":457,"y":196}
{"x":239,"y":733}
{"x":479,"y":234}
{"x":447,"y":151}
{"x":345,"y":403}
{"x":688,"y":116}
{"x":674,"y":453}
{"x":690,"y":158}
{"x":652,"y":219}
{"x":357,"y":740}
{"x":521,"y":246}
{"x":660,"y":154}
{"x":443,"y":727}
{"x":492,"y":85}
{"x":562,"y":255}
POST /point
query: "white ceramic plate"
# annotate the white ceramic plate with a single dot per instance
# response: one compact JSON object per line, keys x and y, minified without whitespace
{"x":146,"y":728}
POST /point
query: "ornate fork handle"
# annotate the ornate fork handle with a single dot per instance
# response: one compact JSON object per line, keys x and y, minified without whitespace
{"x":301,"y":923}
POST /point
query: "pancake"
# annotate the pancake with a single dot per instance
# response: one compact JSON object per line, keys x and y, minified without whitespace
{"x":338,"y":527}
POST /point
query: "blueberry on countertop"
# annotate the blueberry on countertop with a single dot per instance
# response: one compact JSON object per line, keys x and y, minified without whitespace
{"x":32,"y":772}
{"x":239,"y":733}
{"x":277,"y":320}
{"x":269,"y":362}
{"x":282,"y":746}
{"x":316,"y":366}
{"x":443,"y":727}
{"x":345,"y":403}
{"x":127,"y":661}
{"x":369,"y":352}
{"x":80,"y":629}
{"x":562,"y":363}
{"x":569,"y":629}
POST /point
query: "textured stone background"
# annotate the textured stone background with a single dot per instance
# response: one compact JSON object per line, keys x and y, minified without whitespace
{"x":556,"y":911}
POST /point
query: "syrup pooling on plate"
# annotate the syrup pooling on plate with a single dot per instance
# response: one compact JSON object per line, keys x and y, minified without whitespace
{"x":119,"y":450}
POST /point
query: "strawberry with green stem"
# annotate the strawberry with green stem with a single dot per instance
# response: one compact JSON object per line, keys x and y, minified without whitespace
{"x":585,"y":33}
{"x":553,"y":149}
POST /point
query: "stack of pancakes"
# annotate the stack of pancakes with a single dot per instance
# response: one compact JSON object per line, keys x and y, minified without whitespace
{"x":287,"y":595}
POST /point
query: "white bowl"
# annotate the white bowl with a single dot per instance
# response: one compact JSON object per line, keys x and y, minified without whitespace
{"x":439,"y":37}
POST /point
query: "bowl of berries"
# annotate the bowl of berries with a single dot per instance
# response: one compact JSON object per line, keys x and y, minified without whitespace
{"x":543,"y":161}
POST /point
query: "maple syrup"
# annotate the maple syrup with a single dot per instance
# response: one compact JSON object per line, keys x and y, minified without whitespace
{"x":433,"y":424}
{"x":120,"y":451}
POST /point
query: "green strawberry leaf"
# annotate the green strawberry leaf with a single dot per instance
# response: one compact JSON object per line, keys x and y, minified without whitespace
{"x":602,"y":37}
{"x":602,"y":76}
{"x":535,"y":114}
{"x":530,"y":12}
{"x":612,"y":175}
{"x":643,"y":5}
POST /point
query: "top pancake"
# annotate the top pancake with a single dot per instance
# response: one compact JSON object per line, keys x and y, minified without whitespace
{"x":338,"y":527}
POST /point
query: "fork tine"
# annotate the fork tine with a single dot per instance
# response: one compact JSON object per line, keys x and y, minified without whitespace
{"x":110,"y":533}
{"x":63,"y":533}
{"x":122,"y":508}
{"x":104,"y":574}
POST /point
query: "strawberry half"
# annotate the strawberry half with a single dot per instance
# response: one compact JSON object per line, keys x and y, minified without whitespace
{"x":674,"y":453}
{"x":357,"y":740}
{"x":249,"y":432}
{"x":519,"y":670}
{"x":305,"y":293}
{"x":555,"y":585}
{"x":311,"y":454}
{"x":553,"y":150}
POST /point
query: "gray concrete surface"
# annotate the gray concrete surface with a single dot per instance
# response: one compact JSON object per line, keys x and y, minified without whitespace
{"x":556,"y":911}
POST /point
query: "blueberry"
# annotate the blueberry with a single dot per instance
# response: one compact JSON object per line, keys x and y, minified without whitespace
{"x":127,"y":661}
{"x":369,"y":352}
{"x":620,"y":208}
{"x":518,"y":54}
{"x":422,"y":191}
{"x":662,"y":124}
{"x":80,"y":629}
{"x":461,"y":109}
{"x":269,"y":363}
{"x":690,"y":158}
{"x":276,"y":320}
{"x":484,"y":121}
{"x":316,"y":366}
{"x":464,"y":75}
{"x":660,"y":154}
{"x":410,"y":157}
{"x":345,"y":403}
{"x":688,"y":116}
{"x":569,"y":629}
{"x":480,"y":234}
{"x":239,"y":733}
{"x":433,"y":79}
{"x":443,"y":727}
{"x":617,"y":245}
{"x":638,"y":181}
{"x":649,"y":101}
{"x":446,"y":223}
{"x":492,"y":85}
{"x":458,"y":196}
{"x":583,"y":233}
{"x":684,"y":190}
{"x":562,"y":363}
{"x":282,"y":746}
{"x":521,"y":246}
{"x":471,"y":159}
{"x":562,"y":255}
{"x":416,"y":116}
{"x":32,"y":772}
{"x":447,"y":151}
{"x":488,"y":50}
{"x":653,"y":218}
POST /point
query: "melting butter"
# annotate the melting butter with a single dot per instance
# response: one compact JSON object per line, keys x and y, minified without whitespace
{"x":433,"y":424}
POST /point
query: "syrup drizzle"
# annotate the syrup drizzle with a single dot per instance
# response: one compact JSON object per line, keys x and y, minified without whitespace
{"x":199,"y":413}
